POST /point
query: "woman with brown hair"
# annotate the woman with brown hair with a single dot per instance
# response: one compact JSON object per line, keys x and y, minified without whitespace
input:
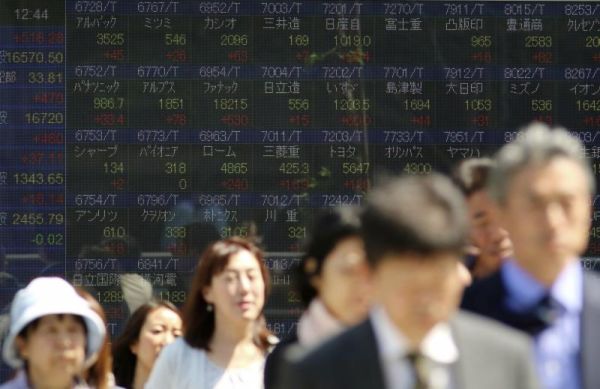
{"x":152,"y":326}
{"x":225,"y":340}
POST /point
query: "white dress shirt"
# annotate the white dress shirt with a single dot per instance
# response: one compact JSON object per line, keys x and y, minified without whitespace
{"x":438,"y":347}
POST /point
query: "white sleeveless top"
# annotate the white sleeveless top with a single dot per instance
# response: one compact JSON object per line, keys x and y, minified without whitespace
{"x":180,"y":366}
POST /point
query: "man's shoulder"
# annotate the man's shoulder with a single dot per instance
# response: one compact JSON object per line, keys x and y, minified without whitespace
{"x":475,"y":329}
{"x":493,"y":355}
{"x":349,"y":360}
{"x":339,"y":348}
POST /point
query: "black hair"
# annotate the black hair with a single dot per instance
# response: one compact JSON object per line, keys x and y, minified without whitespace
{"x":414,"y":214}
{"x":330,"y":227}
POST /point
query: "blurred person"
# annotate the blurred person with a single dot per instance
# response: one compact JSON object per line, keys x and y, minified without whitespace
{"x":489,"y":243}
{"x":544,"y":187}
{"x":99,"y":374}
{"x":415,"y":229}
{"x":136,"y":289}
{"x":225,"y":337}
{"x":332,"y":281}
{"x":151,"y":327}
{"x":124,"y":253}
{"x":188,"y":248}
{"x":54,"y":335}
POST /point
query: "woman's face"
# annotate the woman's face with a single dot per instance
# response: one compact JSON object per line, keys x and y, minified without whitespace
{"x":343,"y":284}
{"x":160,"y":328}
{"x":54,"y":349}
{"x":238,"y":292}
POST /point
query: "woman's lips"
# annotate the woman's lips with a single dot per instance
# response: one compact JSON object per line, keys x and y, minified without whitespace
{"x":244,"y":305}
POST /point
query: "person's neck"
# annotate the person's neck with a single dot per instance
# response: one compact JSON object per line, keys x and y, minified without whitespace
{"x":331,"y":314}
{"x":229,"y":334}
{"x":482,"y":269}
{"x":39,"y":380}
{"x":140,"y":377}
{"x":545,"y":275}
{"x":414,"y":339}
{"x":232,"y":344}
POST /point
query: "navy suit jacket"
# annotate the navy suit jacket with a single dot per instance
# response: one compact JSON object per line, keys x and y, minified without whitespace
{"x":487,"y":297}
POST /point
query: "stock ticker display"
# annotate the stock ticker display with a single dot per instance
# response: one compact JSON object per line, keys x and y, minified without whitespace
{"x":153,"y":127}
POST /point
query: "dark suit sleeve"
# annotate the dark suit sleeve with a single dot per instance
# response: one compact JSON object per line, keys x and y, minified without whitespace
{"x":275,"y":361}
{"x":295,"y":371}
{"x":348,"y":361}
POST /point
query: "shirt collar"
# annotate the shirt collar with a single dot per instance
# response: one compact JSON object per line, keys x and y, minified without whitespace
{"x":438,"y":345}
{"x":568,"y":287}
{"x":524,"y":291}
{"x":317,"y":324}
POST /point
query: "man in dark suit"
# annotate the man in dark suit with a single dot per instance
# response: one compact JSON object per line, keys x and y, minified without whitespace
{"x":415,"y":229}
{"x":544,"y":186}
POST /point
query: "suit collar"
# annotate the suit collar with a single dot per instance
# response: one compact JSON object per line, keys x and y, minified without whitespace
{"x":366,"y":345}
{"x":524,"y":291}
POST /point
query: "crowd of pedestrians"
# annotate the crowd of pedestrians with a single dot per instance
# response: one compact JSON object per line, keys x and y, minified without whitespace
{"x":464,"y":282}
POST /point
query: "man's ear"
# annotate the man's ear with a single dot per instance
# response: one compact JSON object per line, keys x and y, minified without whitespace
{"x":315,"y":281}
{"x":310,"y":269}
